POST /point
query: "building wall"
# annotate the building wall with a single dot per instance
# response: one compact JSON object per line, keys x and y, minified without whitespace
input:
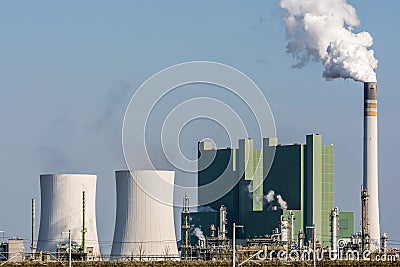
{"x":327,"y":191}
{"x":261,"y":223}
{"x":303,"y":174}
{"x":286,"y":175}
{"x":346,"y":224}
{"x":250,"y":170}
{"x":313,"y":185}
{"x":319,"y":188}
{"x":15,"y":250}
{"x":219,"y":167}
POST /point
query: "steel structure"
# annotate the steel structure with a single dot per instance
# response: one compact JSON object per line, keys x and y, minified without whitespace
{"x":365,"y":233}
{"x":186,"y":250}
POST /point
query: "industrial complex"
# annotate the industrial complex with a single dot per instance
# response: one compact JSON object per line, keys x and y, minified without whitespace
{"x":278,"y":197}
{"x":295,"y":193}
{"x":300,"y":181}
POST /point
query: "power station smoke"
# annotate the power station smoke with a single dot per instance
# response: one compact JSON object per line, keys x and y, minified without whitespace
{"x":199,"y":234}
{"x":323,"y":31}
{"x":281,"y":202}
{"x":271,"y":197}
{"x":205,"y":209}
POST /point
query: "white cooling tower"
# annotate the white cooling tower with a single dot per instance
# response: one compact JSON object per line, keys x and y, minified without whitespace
{"x":62,"y":210}
{"x":144,"y":225}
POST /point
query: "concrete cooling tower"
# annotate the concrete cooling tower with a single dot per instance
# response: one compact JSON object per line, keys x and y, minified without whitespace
{"x":144,"y":225}
{"x":62,"y":210}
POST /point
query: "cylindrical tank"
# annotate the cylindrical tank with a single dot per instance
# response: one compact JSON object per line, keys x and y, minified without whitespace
{"x":144,"y":225}
{"x":370,"y":162}
{"x":384,"y":243}
{"x":334,"y":229}
{"x":284,"y":228}
{"x":61,"y":211}
{"x":291,"y":225}
{"x":222,"y":222}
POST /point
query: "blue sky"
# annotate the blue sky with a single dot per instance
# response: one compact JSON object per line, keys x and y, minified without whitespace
{"x":68,"y":70}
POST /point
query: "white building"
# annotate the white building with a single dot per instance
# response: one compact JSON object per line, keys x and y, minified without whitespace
{"x":62,"y":210}
{"x":144,"y":225}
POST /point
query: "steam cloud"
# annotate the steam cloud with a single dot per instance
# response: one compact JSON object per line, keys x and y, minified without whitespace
{"x":323,"y":31}
{"x":281,"y":202}
{"x":200,"y":235}
{"x":205,"y":209}
{"x":270,"y":197}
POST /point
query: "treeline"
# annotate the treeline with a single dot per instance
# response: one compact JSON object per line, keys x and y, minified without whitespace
{"x":203,"y":263}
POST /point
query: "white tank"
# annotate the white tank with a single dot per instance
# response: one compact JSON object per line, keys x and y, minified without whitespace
{"x":334,"y":229}
{"x":284,"y":229}
{"x":62,"y":210}
{"x":144,"y":224}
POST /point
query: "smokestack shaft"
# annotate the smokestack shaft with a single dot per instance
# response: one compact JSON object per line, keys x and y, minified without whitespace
{"x":370,"y":162}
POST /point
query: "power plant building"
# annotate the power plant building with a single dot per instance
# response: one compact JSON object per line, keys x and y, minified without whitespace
{"x":144,"y":225}
{"x":300,"y":181}
{"x":64,"y":209}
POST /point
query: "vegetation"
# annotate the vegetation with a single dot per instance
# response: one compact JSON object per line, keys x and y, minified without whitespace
{"x":203,"y":263}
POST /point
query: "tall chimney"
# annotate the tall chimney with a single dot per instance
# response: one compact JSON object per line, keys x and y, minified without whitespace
{"x":370,"y":162}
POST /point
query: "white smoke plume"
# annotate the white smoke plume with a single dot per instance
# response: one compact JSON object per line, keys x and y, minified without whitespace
{"x":250,"y":187}
{"x":281,"y":202}
{"x":200,"y":235}
{"x":270,"y":196}
{"x":205,"y":209}
{"x":323,"y":31}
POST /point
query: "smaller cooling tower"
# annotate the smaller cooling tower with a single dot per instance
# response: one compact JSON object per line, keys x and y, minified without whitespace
{"x":62,"y":210}
{"x":144,"y":225}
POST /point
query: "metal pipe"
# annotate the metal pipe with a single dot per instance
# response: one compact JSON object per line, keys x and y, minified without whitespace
{"x":70,"y":249}
{"x":284,"y":229}
{"x":334,"y":229}
{"x":234,"y":246}
{"x":291,"y":222}
{"x":185,"y":232}
{"x":384,"y":243}
{"x":313,"y":241}
{"x":365,"y":236}
{"x":84,"y":230}
{"x":234,"y":243}
{"x":33,"y":228}
{"x":222,"y":222}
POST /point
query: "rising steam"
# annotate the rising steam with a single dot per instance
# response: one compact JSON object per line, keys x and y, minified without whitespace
{"x":323,"y":31}
{"x":199,"y":234}
{"x":271,"y":197}
{"x":281,"y":202}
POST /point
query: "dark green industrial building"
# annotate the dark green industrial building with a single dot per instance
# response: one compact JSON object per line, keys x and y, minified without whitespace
{"x":260,"y":185}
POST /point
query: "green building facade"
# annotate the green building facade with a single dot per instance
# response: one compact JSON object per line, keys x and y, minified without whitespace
{"x":271,"y":181}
